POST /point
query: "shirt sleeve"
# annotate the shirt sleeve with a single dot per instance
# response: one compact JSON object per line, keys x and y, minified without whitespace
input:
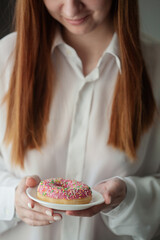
{"x":8,"y":183}
{"x":138,"y":214}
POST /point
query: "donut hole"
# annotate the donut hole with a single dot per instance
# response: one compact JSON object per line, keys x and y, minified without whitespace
{"x":58,"y":185}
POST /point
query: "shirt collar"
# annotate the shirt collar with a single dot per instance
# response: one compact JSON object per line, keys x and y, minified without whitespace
{"x":58,"y":40}
{"x":112,"y":49}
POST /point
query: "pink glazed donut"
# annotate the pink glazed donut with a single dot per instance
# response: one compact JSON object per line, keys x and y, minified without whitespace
{"x":63,"y":191}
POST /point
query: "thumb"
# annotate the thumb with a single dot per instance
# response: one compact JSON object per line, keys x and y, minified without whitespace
{"x":32,"y":181}
{"x":107,"y":198}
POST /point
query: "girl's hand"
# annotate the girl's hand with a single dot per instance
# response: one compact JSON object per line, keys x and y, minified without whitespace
{"x":113,"y":191}
{"x":29,"y":211}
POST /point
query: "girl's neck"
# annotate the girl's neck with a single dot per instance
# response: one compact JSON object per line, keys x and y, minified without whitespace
{"x":90,"y":46}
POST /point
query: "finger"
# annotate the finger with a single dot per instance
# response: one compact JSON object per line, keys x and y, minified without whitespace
{"x":116,"y":187}
{"x":22,"y":186}
{"x":41,"y":209}
{"x":87,"y":212}
{"x":112,"y":201}
{"x":32,"y":181}
{"x":33,"y":215}
{"x":27,"y":203}
{"x":21,"y":199}
{"x":107,"y":198}
{"x":102,"y":188}
{"x":36,"y":223}
{"x":47,"y":211}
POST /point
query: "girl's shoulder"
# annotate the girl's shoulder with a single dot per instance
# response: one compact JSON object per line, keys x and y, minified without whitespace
{"x":8,"y":39}
{"x":7,"y":45}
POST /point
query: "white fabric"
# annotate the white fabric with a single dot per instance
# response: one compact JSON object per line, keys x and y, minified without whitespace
{"x":77,"y":147}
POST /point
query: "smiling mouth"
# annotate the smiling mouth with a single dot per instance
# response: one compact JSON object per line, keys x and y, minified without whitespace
{"x":76,"y":21}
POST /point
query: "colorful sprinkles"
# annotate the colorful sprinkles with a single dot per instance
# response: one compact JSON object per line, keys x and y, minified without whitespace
{"x":59,"y":188}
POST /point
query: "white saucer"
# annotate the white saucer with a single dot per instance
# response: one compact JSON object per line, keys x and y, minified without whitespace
{"x":97,"y":198}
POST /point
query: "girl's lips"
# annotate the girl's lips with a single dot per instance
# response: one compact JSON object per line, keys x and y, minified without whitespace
{"x":76,"y":21}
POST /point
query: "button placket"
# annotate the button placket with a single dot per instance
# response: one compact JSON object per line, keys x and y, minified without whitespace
{"x":76,"y":151}
{"x":77,"y":142}
{"x":78,"y":136}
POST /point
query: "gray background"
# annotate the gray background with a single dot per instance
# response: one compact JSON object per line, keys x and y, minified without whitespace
{"x":150,"y":23}
{"x":6,"y":16}
{"x":149,"y":16}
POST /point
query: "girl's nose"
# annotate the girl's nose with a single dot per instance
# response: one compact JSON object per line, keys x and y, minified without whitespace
{"x":71,"y":8}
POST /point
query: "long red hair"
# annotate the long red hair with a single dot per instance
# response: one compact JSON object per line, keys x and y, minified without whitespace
{"x":133,"y":104}
{"x":32,"y":81}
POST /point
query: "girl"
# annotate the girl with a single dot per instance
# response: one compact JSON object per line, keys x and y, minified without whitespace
{"x":79,"y":93}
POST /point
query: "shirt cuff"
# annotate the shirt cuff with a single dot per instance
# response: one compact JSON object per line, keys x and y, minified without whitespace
{"x":7,"y":200}
{"x":124,"y":207}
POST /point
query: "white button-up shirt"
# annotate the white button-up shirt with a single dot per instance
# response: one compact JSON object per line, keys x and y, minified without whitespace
{"x":76,"y":147}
